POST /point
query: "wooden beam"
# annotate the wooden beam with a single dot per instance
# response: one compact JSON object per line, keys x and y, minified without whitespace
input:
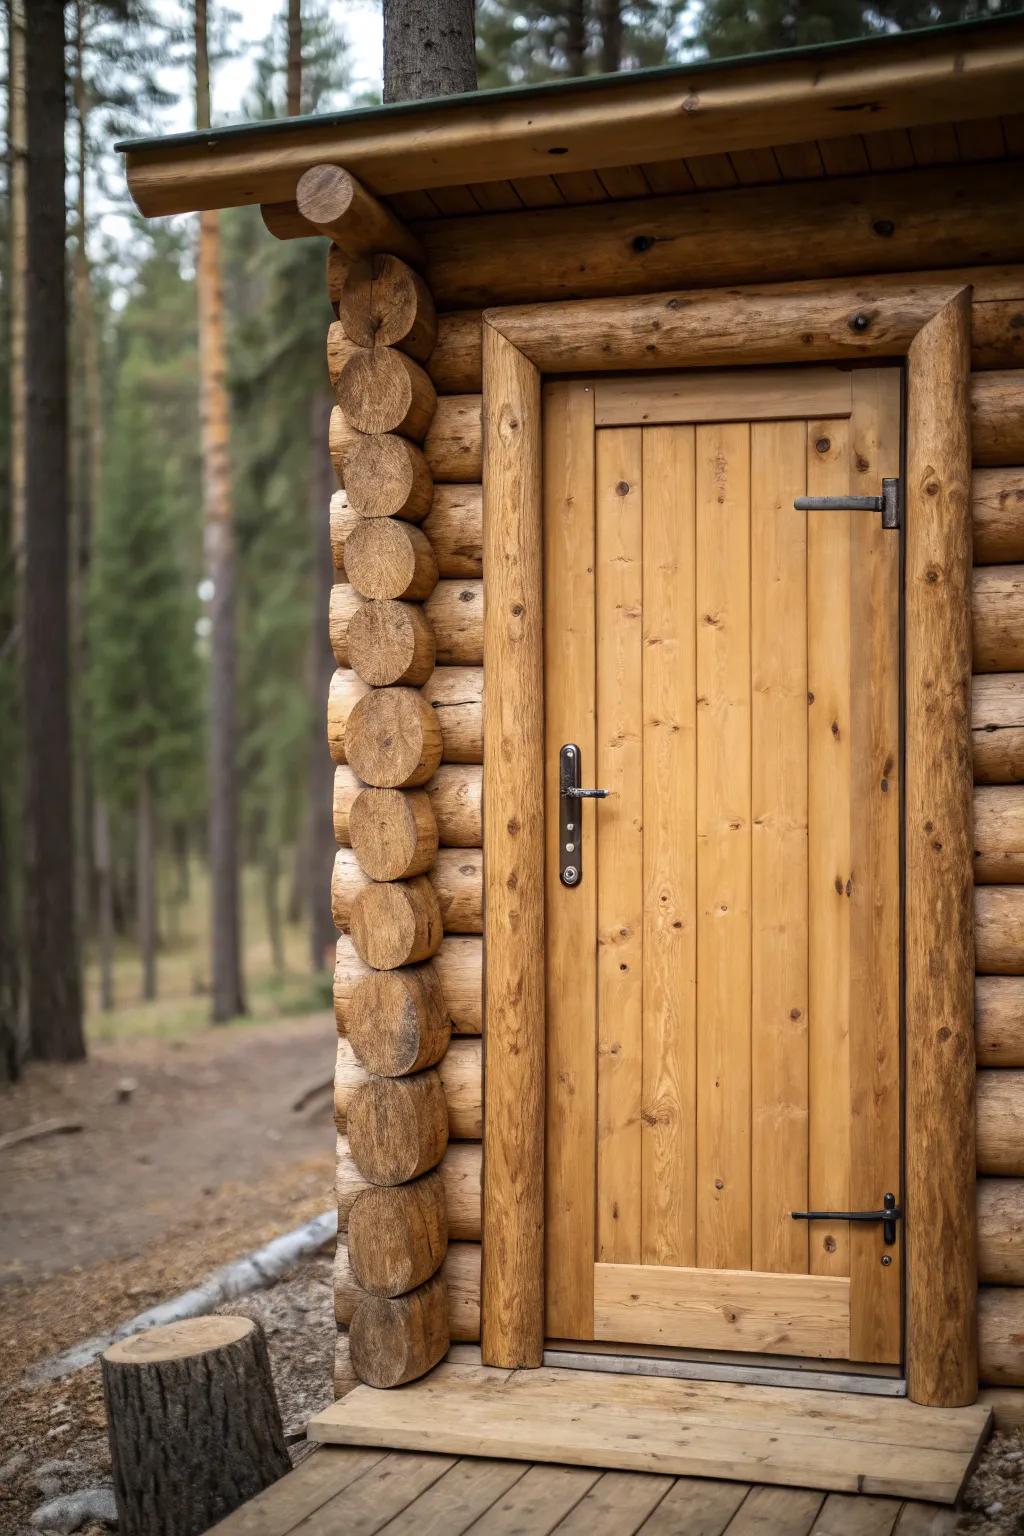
{"x":461,"y":1074}
{"x":902,"y":221}
{"x":997,"y":417}
{"x":1001,"y":1122}
{"x":335,"y":203}
{"x":512,"y":1327}
{"x":999,"y":1020}
{"x":998,"y":513}
{"x":999,"y":930}
{"x":461,"y":1274}
{"x":1001,"y":1335}
{"x":1001,"y":1231}
{"x":997,"y":728}
{"x":398,"y":1235}
{"x":940,"y":1164}
{"x":998,"y":834}
{"x":686,"y":111}
{"x":460,"y":1169}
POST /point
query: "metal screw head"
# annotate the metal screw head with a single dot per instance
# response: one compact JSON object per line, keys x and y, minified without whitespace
{"x":886,"y":1259}
{"x":570,"y":874}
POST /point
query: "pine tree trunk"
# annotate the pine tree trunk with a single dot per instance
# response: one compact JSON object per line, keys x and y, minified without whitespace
{"x":429,"y":48}
{"x":611,"y":36}
{"x":294,"y":105}
{"x":576,"y":39}
{"x":272,"y":903}
{"x":54,"y":984}
{"x":320,"y":834}
{"x":145,"y":880}
{"x":18,"y":153}
{"x":228,"y":995}
{"x":10,"y":1052}
{"x":194,"y":1426}
{"x":104,"y":901}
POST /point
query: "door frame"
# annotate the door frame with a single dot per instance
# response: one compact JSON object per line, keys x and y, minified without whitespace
{"x":927,"y":323}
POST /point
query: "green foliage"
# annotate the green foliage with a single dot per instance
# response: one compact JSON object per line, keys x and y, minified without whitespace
{"x":144,"y":678}
{"x":728,"y":27}
{"x":522,"y":41}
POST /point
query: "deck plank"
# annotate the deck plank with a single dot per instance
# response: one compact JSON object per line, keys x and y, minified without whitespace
{"x":776,"y":1512}
{"x":685,"y":1428}
{"x":375,"y":1498}
{"x":917,"y":1519}
{"x":854,"y":1514}
{"x":695,"y":1506}
{"x":279,"y":1509}
{"x":536,"y":1503}
{"x":458,"y":1498}
{"x":617,"y":1505}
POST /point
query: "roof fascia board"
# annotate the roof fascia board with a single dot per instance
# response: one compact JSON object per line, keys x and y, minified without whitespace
{"x":647,"y":116}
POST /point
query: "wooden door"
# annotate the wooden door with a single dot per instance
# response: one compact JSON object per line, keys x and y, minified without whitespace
{"x":723,"y":982}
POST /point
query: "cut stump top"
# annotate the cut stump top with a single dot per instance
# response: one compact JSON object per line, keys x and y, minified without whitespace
{"x":179,"y":1341}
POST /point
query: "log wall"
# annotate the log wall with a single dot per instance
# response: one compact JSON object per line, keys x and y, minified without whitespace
{"x":405,"y":717}
{"x":405,"y":730}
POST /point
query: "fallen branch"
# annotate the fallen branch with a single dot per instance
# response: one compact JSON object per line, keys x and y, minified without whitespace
{"x":37,"y":1131}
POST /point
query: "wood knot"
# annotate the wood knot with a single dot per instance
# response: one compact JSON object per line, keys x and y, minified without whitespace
{"x":795,"y":1014}
{"x":642,"y":243}
{"x":623,"y":488}
{"x":822,"y":444}
{"x":859,"y":322}
{"x":517,"y":610}
{"x":884,"y":227}
{"x":932,"y":488}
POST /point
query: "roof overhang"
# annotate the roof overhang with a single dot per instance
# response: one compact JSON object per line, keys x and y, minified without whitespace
{"x":950,"y":74}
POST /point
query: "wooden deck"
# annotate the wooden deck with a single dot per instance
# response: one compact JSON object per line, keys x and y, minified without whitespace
{"x":836,"y":1442}
{"x":341,"y":1491}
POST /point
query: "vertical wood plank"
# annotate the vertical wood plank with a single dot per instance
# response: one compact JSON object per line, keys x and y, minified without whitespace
{"x":668,"y":1121}
{"x":723,"y":846}
{"x":569,"y":691}
{"x":778,"y":598}
{"x":512,"y":1286}
{"x":620,"y":769}
{"x":829,"y":741}
{"x":875,"y":1300}
{"x":942,"y":1367}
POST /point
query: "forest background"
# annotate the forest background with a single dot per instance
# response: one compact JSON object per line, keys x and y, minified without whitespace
{"x":188,"y":875}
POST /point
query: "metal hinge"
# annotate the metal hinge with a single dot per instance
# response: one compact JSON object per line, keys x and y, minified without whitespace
{"x":889,"y":503}
{"x":889,"y":1215}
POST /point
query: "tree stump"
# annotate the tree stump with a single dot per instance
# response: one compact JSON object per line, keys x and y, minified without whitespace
{"x":193,"y":1422}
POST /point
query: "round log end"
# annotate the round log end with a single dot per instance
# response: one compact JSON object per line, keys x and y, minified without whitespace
{"x":394,"y":1341}
{"x":397,"y":1127}
{"x":324,"y":193}
{"x":390,"y":642}
{"x":385,"y":391}
{"x":392,"y":738}
{"x":397,"y":1021}
{"x":384,"y":303}
{"x":398,"y":1237}
{"x":385,"y":558}
{"x":387,"y":476}
{"x":393,"y":832}
{"x":396,"y":924}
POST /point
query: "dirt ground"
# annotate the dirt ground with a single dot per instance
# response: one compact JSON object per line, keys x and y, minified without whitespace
{"x":190,"y":1155}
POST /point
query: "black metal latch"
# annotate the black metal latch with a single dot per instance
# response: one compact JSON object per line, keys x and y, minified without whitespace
{"x":888,"y":503}
{"x":889,"y":1215}
{"x":570,"y":819}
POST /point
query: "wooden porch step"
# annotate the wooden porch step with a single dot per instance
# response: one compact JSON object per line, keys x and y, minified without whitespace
{"x":837,"y":1442}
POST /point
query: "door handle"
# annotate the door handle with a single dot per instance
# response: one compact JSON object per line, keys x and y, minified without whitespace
{"x":570,"y":819}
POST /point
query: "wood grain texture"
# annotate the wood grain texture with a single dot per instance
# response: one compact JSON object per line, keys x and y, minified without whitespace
{"x":397,"y":1022}
{"x":742,"y":396}
{"x":999,"y":930}
{"x":384,"y":476}
{"x":455,"y":795}
{"x":398,"y":1236}
{"x":455,"y":611}
{"x":460,"y":1072}
{"x":456,"y":695}
{"x":1001,"y":1335}
{"x":453,"y":446}
{"x":998,"y":835}
{"x":397,"y":1127}
{"x":723,"y":832}
{"x":459,"y":965}
{"x":384,"y":303}
{"x":391,"y":643}
{"x":392,"y":832}
{"x":997,"y":417}
{"x":724,"y":1309}
{"x":999,"y":1021}
{"x":460,"y":1170}
{"x":394,"y":1340}
{"x":998,"y":496}
{"x":455,"y":528}
{"x":569,"y":714}
{"x":340,"y":207}
{"x":863,"y":225}
{"x":512,"y":1324}
{"x":456,"y":363}
{"x":619,"y":768}
{"x":998,"y":614}
{"x":388,"y":558}
{"x":395,"y":924}
{"x":460,"y":1272}
{"x":385,"y":391}
{"x":1001,"y":1231}
{"x":1001,"y":1122}
{"x":342,"y":522}
{"x":344,"y":602}
{"x":997,"y":728}
{"x":668,"y":1088}
{"x":345,"y":692}
{"x":392,"y":738}
{"x":940,"y":1165}
{"x":778,"y":597}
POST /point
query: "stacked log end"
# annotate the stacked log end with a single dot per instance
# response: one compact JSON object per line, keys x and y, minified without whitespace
{"x":405,"y":729}
{"x":998,"y":734}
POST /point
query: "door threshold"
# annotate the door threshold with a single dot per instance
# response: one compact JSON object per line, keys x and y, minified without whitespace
{"x":704,"y":1370}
